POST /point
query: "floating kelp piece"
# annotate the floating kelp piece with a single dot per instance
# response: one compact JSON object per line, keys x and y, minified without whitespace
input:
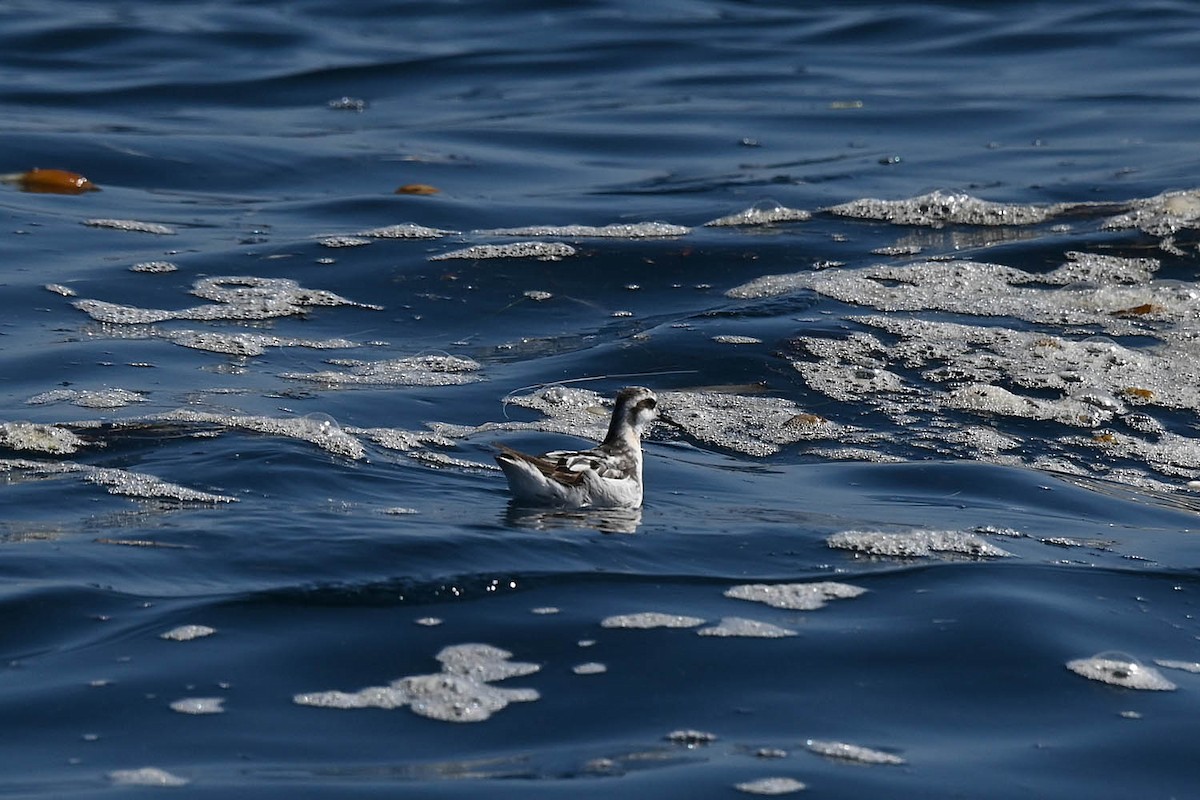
{"x":417,"y":189}
{"x":50,"y":181}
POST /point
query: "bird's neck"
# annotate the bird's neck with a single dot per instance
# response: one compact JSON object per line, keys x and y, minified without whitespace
{"x":620,"y":435}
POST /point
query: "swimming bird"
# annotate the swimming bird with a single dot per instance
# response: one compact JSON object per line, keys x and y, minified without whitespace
{"x":607,"y":476}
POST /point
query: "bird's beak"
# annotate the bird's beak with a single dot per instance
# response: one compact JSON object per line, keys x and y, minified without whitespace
{"x":663,"y":416}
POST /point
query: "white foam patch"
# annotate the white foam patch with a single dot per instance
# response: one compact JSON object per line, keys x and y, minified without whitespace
{"x":757,"y":426}
{"x":732,"y":339}
{"x":771,"y":786}
{"x":941,"y":208}
{"x":651,"y":619}
{"x":1121,"y":670}
{"x":89,"y":398}
{"x":765,"y":213}
{"x":199,"y":706}
{"x":344,"y":241}
{"x":186,"y":633}
{"x":916,"y":544}
{"x":853,"y":752}
{"x":748,"y":628}
{"x":462,"y":692}
{"x":542,"y":251}
{"x":233,"y":298}
{"x":1186,"y":666}
{"x":1162,"y":215}
{"x":630,"y":230}
{"x":319,"y":429}
{"x":690,"y":737}
{"x":589,"y":668}
{"x":154,"y":267}
{"x":148,"y":487}
{"x":33,"y":437}
{"x":405,"y":230}
{"x":795,"y":596}
{"x":59,"y":289}
{"x":410,"y":371}
{"x":246,"y":343}
{"x":131,"y":225}
{"x":146,"y":776}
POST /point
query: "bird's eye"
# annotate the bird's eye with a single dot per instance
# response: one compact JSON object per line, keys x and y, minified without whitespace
{"x":649,"y":402}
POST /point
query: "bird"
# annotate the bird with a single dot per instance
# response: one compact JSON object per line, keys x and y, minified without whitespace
{"x":606,"y":476}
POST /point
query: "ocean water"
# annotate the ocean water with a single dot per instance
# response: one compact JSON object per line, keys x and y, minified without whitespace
{"x":917,"y":282}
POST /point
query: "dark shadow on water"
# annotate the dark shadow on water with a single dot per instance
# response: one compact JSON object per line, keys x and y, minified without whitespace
{"x":609,"y":520}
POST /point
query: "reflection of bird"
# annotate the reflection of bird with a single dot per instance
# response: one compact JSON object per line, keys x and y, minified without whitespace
{"x":607,"y":476}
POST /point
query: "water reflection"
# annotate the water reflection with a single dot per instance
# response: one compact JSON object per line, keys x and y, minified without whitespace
{"x":606,"y":520}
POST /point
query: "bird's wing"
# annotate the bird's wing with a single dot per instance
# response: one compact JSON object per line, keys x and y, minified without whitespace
{"x":567,"y":468}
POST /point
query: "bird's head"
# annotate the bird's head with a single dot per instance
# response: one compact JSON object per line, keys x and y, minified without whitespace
{"x":636,"y":408}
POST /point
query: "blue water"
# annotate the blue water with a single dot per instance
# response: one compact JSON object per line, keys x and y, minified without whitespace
{"x":225,"y":121}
